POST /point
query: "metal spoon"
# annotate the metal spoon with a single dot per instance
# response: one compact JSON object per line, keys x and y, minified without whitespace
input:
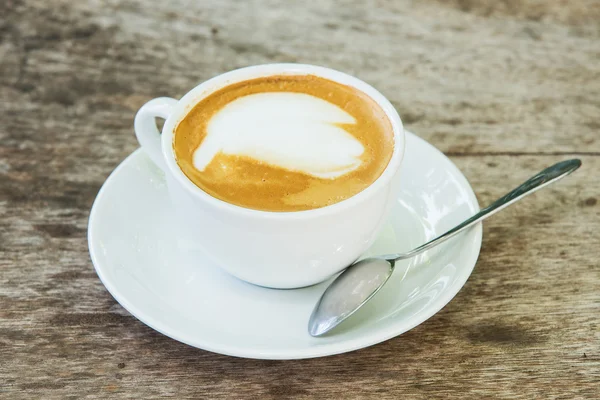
{"x":354,"y":287}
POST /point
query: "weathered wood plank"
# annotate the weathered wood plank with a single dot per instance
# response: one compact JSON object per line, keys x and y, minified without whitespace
{"x":505,"y":88}
{"x":521,"y":79}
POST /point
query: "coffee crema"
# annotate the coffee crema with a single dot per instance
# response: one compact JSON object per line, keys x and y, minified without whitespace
{"x":284,"y":143}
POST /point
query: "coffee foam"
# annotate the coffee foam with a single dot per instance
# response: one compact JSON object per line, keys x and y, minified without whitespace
{"x":295,"y":131}
{"x":284,"y":143}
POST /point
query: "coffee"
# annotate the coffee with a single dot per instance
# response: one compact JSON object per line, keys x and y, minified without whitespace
{"x":284,"y":143}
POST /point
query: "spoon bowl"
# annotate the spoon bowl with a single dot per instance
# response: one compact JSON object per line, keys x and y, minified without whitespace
{"x":360,"y":281}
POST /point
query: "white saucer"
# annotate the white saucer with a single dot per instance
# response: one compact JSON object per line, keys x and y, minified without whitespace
{"x":137,"y":255}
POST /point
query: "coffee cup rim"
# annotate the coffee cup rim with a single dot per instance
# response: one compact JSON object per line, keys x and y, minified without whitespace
{"x":190,"y":99}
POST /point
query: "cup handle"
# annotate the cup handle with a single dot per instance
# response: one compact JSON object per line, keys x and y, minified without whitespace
{"x":145,"y":127}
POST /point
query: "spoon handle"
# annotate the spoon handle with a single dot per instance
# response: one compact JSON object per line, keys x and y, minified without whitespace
{"x":544,"y":178}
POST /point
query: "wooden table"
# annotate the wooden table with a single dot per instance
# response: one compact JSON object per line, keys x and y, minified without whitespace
{"x":503,"y":88}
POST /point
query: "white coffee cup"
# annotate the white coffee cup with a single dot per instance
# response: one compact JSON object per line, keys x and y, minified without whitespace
{"x":272,"y":249}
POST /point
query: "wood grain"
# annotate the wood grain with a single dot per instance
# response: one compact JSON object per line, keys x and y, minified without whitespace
{"x":504,"y":88}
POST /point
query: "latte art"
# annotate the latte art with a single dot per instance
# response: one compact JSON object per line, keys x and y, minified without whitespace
{"x":295,"y":131}
{"x":284,"y":143}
